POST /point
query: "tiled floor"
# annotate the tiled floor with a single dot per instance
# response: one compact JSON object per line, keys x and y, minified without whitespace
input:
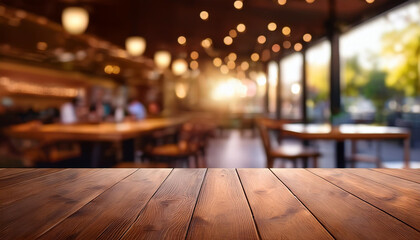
{"x":236,"y":151}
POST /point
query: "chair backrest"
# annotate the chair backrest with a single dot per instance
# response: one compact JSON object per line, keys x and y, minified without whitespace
{"x":264,"y":126}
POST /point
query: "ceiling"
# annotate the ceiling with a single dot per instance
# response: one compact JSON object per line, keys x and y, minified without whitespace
{"x":161,"y":22}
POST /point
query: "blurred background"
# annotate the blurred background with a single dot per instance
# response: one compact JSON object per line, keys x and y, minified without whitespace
{"x":222,"y":64}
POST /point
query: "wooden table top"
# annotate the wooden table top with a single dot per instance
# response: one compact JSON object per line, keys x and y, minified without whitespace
{"x":209,"y":204}
{"x":93,"y":132}
{"x":344,"y":131}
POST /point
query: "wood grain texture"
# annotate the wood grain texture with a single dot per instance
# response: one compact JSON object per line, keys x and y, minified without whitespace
{"x":25,"y":176}
{"x":13,"y":171}
{"x":169,"y":212}
{"x":111,"y":213}
{"x":278,"y":214}
{"x":344,"y":215}
{"x":10,"y":194}
{"x":408,"y":174}
{"x":398,"y":197}
{"x":28,"y":218}
{"x":222,"y":211}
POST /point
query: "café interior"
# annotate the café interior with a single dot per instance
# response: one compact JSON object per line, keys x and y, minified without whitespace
{"x":210,"y":83}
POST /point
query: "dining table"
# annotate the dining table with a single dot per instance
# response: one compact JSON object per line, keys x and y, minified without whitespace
{"x":181,"y":203}
{"x":343,"y":132}
{"x":93,"y":137}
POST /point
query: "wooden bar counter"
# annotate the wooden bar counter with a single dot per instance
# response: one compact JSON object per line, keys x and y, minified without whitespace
{"x":209,"y":204}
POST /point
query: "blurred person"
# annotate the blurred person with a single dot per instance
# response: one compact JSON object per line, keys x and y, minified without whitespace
{"x":68,"y":112}
{"x":136,"y":109}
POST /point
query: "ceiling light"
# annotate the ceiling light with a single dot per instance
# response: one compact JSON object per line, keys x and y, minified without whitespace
{"x":233,"y":33}
{"x":272,"y":26}
{"x":194,"y":55}
{"x":241,"y":27}
{"x":244,"y":65}
{"x":217,"y":62}
{"x":238,"y":4}
{"x":75,"y":20}
{"x":275,"y":48}
{"x":298,"y":47}
{"x":307,"y":37}
{"x":282,"y":2}
{"x":162,"y":59}
{"x":255,"y":57}
{"x":135,"y":45}
{"x":261,"y":39}
{"x":193,"y":65}
{"x":206,"y":43}
{"x":228,"y":40}
{"x":204,"y":15}
{"x":182,"y":40}
{"x":232,"y":56}
{"x":179,"y":66}
{"x":287,"y":44}
{"x":286,"y":31}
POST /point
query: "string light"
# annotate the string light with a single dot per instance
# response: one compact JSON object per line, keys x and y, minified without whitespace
{"x":182,"y":40}
{"x":204,"y":15}
{"x":238,"y":4}
{"x":307,"y":37}
{"x":282,"y":2}
{"x":241,"y":27}
{"x":286,"y":31}
{"x":272,"y":26}
{"x":261,"y":39}
{"x":228,"y":40}
{"x":255,"y":57}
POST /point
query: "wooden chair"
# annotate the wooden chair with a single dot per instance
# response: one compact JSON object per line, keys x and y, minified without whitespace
{"x":292,"y":152}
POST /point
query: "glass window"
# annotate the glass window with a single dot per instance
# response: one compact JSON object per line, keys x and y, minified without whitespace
{"x":291,"y":79}
{"x":273,"y":77}
{"x":381,"y":67}
{"x":318,"y":59}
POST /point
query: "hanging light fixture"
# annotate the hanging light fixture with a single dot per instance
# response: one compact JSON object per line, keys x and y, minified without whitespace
{"x":75,"y":20}
{"x":179,"y":66}
{"x":162,"y":59}
{"x":135,"y":45}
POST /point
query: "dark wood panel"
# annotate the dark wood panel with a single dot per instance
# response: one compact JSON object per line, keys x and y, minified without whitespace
{"x":169,"y":212}
{"x":24,"y":176}
{"x":112,"y":212}
{"x":344,"y":215}
{"x":28,"y":218}
{"x":398,"y":197}
{"x":411,"y":175}
{"x":222,"y":211}
{"x":278,"y":214}
{"x":10,"y":194}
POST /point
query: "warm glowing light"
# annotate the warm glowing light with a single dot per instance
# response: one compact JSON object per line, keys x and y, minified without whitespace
{"x":295,"y":88}
{"x":231,"y":65}
{"x":286,"y":31}
{"x":282,"y":2}
{"x":182,"y":40}
{"x":287,"y":44}
{"x":255,"y":57}
{"x":42,"y":46}
{"x":206,"y":43}
{"x":108,"y":69}
{"x":233,"y":33}
{"x":179,"y":66}
{"x":194,"y":55}
{"x":181,"y":90}
{"x":307,"y":37}
{"x":232,"y":56}
{"x":162,"y":59}
{"x":244,"y":65}
{"x":261,"y":79}
{"x":275,"y":48}
{"x":224,"y":69}
{"x":217,"y":62}
{"x":75,"y":20}
{"x":310,"y":1}
{"x":272,"y":26}
{"x":116,"y":70}
{"x":204,"y":15}
{"x":228,"y":40}
{"x":298,"y":47}
{"x":261,"y":39}
{"x":135,"y":45}
{"x":238,"y":4}
{"x":194,"y":65}
{"x":265,"y":55}
{"x":241,"y":27}
{"x":370,"y":1}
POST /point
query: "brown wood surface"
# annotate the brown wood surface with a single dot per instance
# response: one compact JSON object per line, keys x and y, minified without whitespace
{"x":20,"y":177}
{"x":30,"y":217}
{"x":103,"y":215}
{"x":212,"y":204}
{"x":407,"y":174}
{"x":222,"y":211}
{"x":169,"y":212}
{"x":398,"y":197}
{"x":344,"y":215}
{"x":288,"y":220}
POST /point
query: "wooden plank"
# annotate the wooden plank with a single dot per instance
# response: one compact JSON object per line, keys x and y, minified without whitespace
{"x":398,"y":197}
{"x":13,"y":171}
{"x":344,"y":215}
{"x":407,"y":174}
{"x":169,"y":212}
{"x":13,"y":193}
{"x":112,"y":212}
{"x":25,"y":176}
{"x":30,"y":217}
{"x":222,"y":211}
{"x":278,"y":214}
